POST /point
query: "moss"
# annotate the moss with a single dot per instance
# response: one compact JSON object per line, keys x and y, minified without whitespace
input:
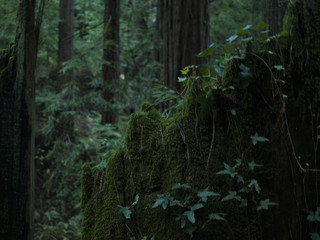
{"x":191,"y":145}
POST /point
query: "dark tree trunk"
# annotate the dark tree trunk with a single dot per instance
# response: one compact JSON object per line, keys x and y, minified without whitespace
{"x":66,"y":31}
{"x":17,"y":67}
{"x":185,"y":31}
{"x":65,"y":44}
{"x":65,"y":53}
{"x":110,"y":69}
{"x":275,"y":13}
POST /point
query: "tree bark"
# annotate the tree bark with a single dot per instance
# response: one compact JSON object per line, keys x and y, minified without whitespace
{"x":66,"y":32}
{"x":185,"y":31}
{"x":110,"y":68}
{"x":65,"y":43}
{"x":17,"y":67}
{"x":275,"y":13}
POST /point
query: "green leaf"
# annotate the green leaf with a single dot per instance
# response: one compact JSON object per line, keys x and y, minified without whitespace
{"x":232,"y":195}
{"x":180,"y":79}
{"x":234,"y":57}
{"x":136,"y":199}
{"x":253,"y":164}
{"x":185,"y":71}
{"x":190,"y":216}
{"x":232,"y":38}
{"x":256,"y":138}
{"x":279,"y":67}
{"x":197,"y":206}
{"x":241,"y":32}
{"x":314,"y":216}
{"x":233,"y":112}
{"x":208,"y":51}
{"x":163,"y":200}
{"x":247,"y":27}
{"x":244,"y":203}
{"x":179,"y":185}
{"x":264,"y":204}
{"x":217,"y":216}
{"x":176,"y":203}
{"x":228,"y":170}
{"x":206,"y":193}
{"x":245,"y":40}
{"x":254,"y":183}
{"x":245,"y":71}
{"x":260,"y":26}
{"x":280,"y":81}
{"x":125,"y":211}
{"x":315,"y":236}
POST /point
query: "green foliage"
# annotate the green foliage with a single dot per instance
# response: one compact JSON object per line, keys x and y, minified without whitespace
{"x":126,"y":210}
{"x":314,"y":217}
{"x":189,"y":205}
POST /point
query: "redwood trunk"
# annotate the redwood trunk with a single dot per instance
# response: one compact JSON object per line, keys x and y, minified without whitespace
{"x":17,"y":67}
{"x":110,"y":69}
{"x":185,"y":30}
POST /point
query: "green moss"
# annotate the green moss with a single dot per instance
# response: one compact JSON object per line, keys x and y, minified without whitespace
{"x":192,"y":145}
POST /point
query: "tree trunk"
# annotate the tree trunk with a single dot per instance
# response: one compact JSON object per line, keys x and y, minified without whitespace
{"x":65,"y":44}
{"x":275,"y":13}
{"x":110,"y":69}
{"x":66,"y":31}
{"x":17,"y":67}
{"x":185,"y":31}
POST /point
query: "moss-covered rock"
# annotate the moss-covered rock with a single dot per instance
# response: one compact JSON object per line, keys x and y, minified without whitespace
{"x":194,"y":143}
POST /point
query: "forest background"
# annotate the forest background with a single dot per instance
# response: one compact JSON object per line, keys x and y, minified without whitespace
{"x":69,"y":94}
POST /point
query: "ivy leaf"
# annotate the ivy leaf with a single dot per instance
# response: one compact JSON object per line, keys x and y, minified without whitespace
{"x":240,"y":179}
{"x":207,"y":52}
{"x":190,"y":216}
{"x":232,"y":38}
{"x":264,"y":204}
{"x":179,"y":185}
{"x":180,"y":79}
{"x":190,"y":229}
{"x":232,"y":195}
{"x":241,"y":32}
{"x":234,"y":57}
{"x":260,"y":26}
{"x":314,"y":216}
{"x":233,"y":112}
{"x":253,"y":164}
{"x":254,"y":183}
{"x":136,"y":199}
{"x":245,"y":71}
{"x":185,"y":70}
{"x":228,"y":170}
{"x":244,"y":203}
{"x":315,"y":236}
{"x":125,"y":211}
{"x":206,"y":193}
{"x":163,"y":200}
{"x":175,"y":203}
{"x":197,"y":206}
{"x":279,"y":67}
{"x":247,"y":27}
{"x":217,"y":216}
{"x":256,"y":138}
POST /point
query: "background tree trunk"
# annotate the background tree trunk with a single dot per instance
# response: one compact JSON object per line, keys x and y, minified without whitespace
{"x":185,"y":31}
{"x":17,"y":67}
{"x":275,"y":13}
{"x":66,"y":32}
{"x":110,"y":68}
